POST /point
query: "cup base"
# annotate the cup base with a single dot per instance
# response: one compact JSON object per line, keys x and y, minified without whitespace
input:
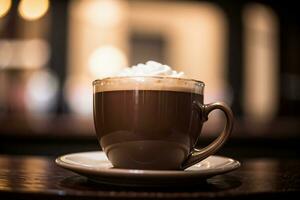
{"x":147,"y":154}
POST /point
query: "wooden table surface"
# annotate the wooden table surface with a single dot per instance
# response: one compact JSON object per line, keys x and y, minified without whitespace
{"x":32,"y":177}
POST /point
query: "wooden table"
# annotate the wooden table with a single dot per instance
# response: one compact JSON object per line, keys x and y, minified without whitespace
{"x":31,"y":177}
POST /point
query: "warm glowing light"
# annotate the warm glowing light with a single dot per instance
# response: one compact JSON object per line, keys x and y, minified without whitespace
{"x":33,"y":9}
{"x":28,"y":54}
{"x":41,"y":91}
{"x":4,"y":7}
{"x":5,"y":183}
{"x":79,"y":94}
{"x":32,"y":170}
{"x":106,"y":13}
{"x":6,"y":53}
{"x":261,"y":63}
{"x":106,"y":61}
{"x":34,"y":53}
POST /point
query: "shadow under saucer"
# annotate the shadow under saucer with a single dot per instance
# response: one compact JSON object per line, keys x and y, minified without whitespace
{"x":214,"y":184}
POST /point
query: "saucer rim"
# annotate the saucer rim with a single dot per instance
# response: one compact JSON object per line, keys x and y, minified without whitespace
{"x":116,"y":172}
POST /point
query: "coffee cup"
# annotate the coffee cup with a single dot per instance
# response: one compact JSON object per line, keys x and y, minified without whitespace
{"x":154,"y":123}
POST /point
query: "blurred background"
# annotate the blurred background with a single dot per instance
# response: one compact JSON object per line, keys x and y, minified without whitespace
{"x":247,"y":53}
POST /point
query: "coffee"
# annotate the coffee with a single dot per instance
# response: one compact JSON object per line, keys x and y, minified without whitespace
{"x":133,"y":121}
{"x":152,"y":122}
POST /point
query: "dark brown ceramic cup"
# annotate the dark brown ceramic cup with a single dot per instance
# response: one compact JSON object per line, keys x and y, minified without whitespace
{"x":154,"y":122}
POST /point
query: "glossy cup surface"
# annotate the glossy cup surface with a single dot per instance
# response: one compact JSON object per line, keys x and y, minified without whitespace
{"x":147,"y":122}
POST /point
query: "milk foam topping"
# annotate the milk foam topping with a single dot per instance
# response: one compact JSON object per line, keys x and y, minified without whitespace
{"x":149,"y":76}
{"x":150,"y":68}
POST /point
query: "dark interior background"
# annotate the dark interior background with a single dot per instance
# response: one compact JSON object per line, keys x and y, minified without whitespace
{"x":61,"y":131}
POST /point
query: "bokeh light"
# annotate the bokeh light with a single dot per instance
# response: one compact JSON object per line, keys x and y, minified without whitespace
{"x":79,"y":94}
{"x":34,"y":53}
{"x":6,"y":53}
{"x":41,"y":92}
{"x":33,"y":9}
{"x":4,"y":7}
{"x":106,"y":61}
{"x":29,"y":54}
{"x":104,"y":13}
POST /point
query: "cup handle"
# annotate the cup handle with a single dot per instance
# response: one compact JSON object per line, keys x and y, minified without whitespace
{"x":199,"y":154}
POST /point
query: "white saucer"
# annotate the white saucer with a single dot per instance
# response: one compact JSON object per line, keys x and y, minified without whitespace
{"x":96,"y":167}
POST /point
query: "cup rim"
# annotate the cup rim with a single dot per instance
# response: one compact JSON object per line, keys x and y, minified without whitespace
{"x":97,"y":81}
